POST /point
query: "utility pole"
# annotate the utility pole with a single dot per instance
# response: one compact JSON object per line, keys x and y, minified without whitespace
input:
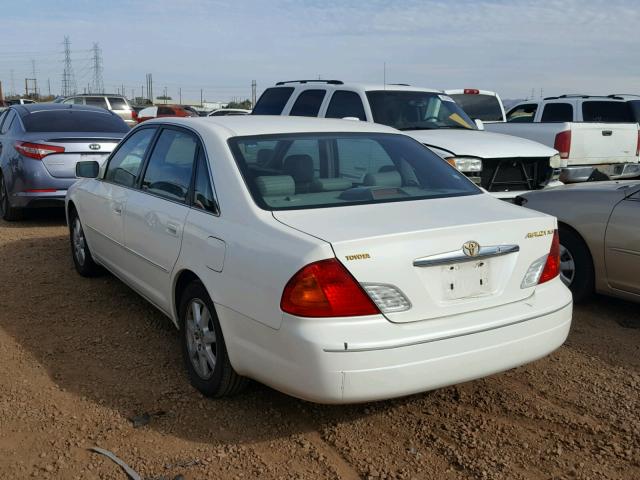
{"x":13,"y":84}
{"x":142,"y":91}
{"x":201,"y":102}
{"x":180,"y":94}
{"x":165,"y":95}
{"x":49,"y":85}
{"x":254,"y":86}
{"x":68,"y":80}
{"x":33,"y":74}
{"x":150,"y":87}
{"x":1,"y":95}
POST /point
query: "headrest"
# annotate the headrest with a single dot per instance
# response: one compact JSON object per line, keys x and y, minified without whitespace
{"x":277,"y":185}
{"x":300,"y":167}
{"x":264,"y":155}
{"x":386,"y":179}
{"x":330,"y":184}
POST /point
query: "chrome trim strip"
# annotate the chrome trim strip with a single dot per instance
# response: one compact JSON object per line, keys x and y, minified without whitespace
{"x":458,"y":256}
{"x":445,"y":337}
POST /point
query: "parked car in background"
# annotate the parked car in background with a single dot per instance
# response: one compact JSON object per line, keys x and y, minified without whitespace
{"x":479,"y":104}
{"x":591,"y":133}
{"x":502,"y":164}
{"x":277,"y":265}
{"x":20,"y":101}
{"x":599,"y":225}
{"x":228,"y":111}
{"x":116,"y":103}
{"x":158,"y":111}
{"x":40,"y":146}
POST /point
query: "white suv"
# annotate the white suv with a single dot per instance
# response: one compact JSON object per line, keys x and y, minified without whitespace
{"x":502,"y":164}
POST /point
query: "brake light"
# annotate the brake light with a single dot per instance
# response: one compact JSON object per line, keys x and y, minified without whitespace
{"x":37,"y":150}
{"x":552,"y":266}
{"x":326,"y":289}
{"x":563,"y":143}
{"x":134,"y":115}
{"x":471,"y":91}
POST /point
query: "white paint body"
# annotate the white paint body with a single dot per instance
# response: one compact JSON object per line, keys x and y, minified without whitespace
{"x":246,"y":255}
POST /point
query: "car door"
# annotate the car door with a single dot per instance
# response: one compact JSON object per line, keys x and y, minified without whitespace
{"x":101,"y":203}
{"x":156,"y":213}
{"x":622,"y":243}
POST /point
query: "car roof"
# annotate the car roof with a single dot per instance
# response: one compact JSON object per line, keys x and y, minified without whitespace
{"x":366,"y":87}
{"x":252,"y":125}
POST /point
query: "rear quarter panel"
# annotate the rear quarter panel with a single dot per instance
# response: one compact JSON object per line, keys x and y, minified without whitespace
{"x":544,"y":133}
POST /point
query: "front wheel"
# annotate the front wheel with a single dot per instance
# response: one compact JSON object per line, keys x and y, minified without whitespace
{"x":203,"y":348}
{"x":80,"y":252}
{"x":576,"y":265}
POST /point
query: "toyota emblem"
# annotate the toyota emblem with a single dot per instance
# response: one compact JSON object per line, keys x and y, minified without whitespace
{"x":471,"y":248}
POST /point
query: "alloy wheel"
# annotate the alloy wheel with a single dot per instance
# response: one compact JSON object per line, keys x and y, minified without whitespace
{"x":78,"y":242}
{"x":567,"y":266}
{"x":201,"y":338}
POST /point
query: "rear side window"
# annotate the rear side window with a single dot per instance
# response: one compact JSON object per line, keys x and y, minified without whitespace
{"x":635,"y":108}
{"x":118,"y":103}
{"x":345,"y":104}
{"x":203,"y":197}
{"x":308,"y":103}
{"x":607,"y":112}
{"x":70,"y":120}
{"x":557,"y":112}
{"x":124,"y":165}
{"x":272,"y":101}
{"x":170,"y":166}
{"x":96,"y":102}
{"x":522,"y":113}
{"x":483,"y":107}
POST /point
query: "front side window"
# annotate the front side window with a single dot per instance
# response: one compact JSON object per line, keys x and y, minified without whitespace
{"x":607,"y":112}
{"x":407,"y":110}
{"x":308,"y":103}
{"x":483,"y":107}
{"x":203,"y":197}
{"x":170,"y":166}
{"x":345,"y":104}
{"x":522,"y":113}
{"x":272,"y":101}
{"x":124,"y":165}
{"x":352,"y":169}
{"x":557,"y":112}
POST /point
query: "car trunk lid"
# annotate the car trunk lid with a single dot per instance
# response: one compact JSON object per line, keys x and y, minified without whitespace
{"x":76,"y":149}
{"x":418,"y":248}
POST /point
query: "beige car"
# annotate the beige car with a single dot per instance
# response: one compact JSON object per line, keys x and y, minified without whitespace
{"x":599,"y":224}
{"x":116,"y":103}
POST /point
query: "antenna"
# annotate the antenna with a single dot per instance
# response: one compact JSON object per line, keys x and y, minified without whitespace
{"x":97,"y":82}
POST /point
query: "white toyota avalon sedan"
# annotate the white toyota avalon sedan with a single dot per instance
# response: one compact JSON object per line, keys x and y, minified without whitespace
{"x":336,"y":261}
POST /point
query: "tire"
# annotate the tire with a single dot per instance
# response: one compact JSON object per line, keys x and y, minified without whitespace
{"x":203,"y":348}
{"x":573,"y":251}
{"x":80,"y":252}
{"x":9,"y":213}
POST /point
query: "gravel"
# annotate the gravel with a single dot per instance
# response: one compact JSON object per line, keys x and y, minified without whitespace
{"x":79,"y":358}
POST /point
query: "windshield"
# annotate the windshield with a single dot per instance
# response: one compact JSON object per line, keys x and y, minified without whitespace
{"x":417,"y":110}
{"x":314,"y":170}
{"x":483,"y":107}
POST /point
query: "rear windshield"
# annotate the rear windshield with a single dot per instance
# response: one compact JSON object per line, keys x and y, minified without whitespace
{"x":406,"y":110}
{"x":607,"y":112}
{"x":272,"y":101}
{"x":288,"y":172}
{"x":69,"y":120}
{"x":483,"y":107}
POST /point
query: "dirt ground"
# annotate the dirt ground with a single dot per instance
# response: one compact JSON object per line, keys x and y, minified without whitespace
{"x":79,"y":358}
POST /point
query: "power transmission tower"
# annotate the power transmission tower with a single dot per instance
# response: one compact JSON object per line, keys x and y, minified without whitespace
{"x":150,"y":87}
{"x":68,"y":79}
{"x":253,"y":93}
{"x":96,"y":69}
{"x":35,"y":79}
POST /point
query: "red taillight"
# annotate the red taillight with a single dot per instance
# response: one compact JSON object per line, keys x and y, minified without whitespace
{"x":134,"y":115}
{"x":552,"y":267}
{"x":563,"y":143}
{"x":326,"y":289}
{"x":36,"y":150}
{"x":471,"y":91}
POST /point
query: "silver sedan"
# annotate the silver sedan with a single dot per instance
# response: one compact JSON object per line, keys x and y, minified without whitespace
{"x":599,"y":226}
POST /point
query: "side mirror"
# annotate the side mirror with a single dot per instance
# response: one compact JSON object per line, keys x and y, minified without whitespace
{"x":88,"y":169}
{"x":478,"y":123}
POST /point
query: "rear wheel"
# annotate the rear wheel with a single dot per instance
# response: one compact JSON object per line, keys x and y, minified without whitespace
{"x":80,"y":252}
{"x":203,"y":347}
{"x":576,"y":265}
{"x":9,"y":213}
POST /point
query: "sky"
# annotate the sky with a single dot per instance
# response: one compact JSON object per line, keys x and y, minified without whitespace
{"x":513,"y":47}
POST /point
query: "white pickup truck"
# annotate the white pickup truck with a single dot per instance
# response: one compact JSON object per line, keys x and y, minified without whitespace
{"x":593,"y":134}
{"x":481,"y":104}
{"x":502,"y":164}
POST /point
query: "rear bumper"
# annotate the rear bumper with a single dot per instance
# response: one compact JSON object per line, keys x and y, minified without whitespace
{"x":38,"y":199}
{"x":370,"y":358}
{"x":615,"y":171}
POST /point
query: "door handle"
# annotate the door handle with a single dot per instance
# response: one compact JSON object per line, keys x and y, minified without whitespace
{"x":172,"y":228}
{"x":607,"y":133}
{"x":117,"y":209}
